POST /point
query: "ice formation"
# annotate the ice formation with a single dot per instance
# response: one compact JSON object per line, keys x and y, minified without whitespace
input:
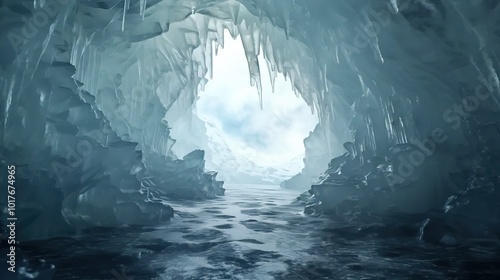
{"x":411,"y":86}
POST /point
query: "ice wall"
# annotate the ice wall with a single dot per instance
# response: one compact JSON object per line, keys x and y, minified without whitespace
{"x":320,"y":148}
{"x":423,"y":81}
{"x":83,"y":160}
{"x":384,"y":77}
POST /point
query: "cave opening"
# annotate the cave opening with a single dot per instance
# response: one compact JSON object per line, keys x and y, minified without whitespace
{"x":96,"y":96}
{"x":244,"y":142}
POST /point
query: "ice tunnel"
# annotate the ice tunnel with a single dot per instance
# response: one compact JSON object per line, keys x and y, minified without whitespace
{"x":406,"y":91}
{"x":246,"y":142}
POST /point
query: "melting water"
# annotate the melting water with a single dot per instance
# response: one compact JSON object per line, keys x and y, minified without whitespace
{"x":258,"y":232}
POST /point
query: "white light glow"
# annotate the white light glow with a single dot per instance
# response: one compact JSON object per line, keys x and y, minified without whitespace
{"x":269,"y":137}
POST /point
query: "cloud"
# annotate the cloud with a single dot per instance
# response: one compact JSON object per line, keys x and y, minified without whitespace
{"x":270,"y":136}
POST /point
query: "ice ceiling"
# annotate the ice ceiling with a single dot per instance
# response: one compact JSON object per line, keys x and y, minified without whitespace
{"x":90,"y":90}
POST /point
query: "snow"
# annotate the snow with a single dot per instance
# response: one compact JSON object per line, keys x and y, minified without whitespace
{"x":232,"y":166}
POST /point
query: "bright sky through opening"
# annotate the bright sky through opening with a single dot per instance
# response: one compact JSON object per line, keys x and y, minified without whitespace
{"x":272,"y":136}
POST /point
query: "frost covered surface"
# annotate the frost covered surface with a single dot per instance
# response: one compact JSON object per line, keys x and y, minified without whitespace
{"x":381,"y":74}
{"x":318,"y":154}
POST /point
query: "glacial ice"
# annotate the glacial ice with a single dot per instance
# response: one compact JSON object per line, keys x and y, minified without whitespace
{"x":319,"y":152}
{"x":196,"y":134}
{"x":87,"y":87}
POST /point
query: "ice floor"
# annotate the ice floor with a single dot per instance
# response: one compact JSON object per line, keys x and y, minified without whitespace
{"x":258,"y":232}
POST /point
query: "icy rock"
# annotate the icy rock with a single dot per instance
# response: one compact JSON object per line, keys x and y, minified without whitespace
{"x":297,"y":182}
{"x":181,"y":179}
{"x":303,"y":198}
{"x":145,"y":213}
{"x":28,"y":269}
{"x":320,"y":147}
{"x":473,"y":214}
{"x":334,"y":187}
{"x":435,"y":230}
{"x":369,"y":180}
{"x":331,"y":194}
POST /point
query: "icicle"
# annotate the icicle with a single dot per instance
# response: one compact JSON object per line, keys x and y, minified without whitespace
{"x":210,"y":59}
{"x":313,"y":111}
{"x":337,"y":54}
{"x":394,"y":4}
{"x":256,"y":40}
{"x":272,"y":74}
{"x":263,"y":44}
{"x":45,"y":44}
{"x":126,"y":6}
{"x":279,"y":61}
{"x":217,"y":47}
{"x":259,"y":90}
{"x":235,"y":12}
{"x":287,"y":24}
{"x":220,"y":35}
{"x":324,"y":77}
{"x":203,"y":31}
{"x":143,"y":5}
{"x":247,"y":39}
{"x":295,"y":91}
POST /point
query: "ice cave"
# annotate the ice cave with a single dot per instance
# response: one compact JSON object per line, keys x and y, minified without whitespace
{"x":111,"y":169}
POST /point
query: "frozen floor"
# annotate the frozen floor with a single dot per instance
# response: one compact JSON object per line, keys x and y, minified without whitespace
{"x":256,"y":232}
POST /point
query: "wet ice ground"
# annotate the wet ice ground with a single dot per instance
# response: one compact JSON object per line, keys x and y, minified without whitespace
{"x":257,"y":232}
